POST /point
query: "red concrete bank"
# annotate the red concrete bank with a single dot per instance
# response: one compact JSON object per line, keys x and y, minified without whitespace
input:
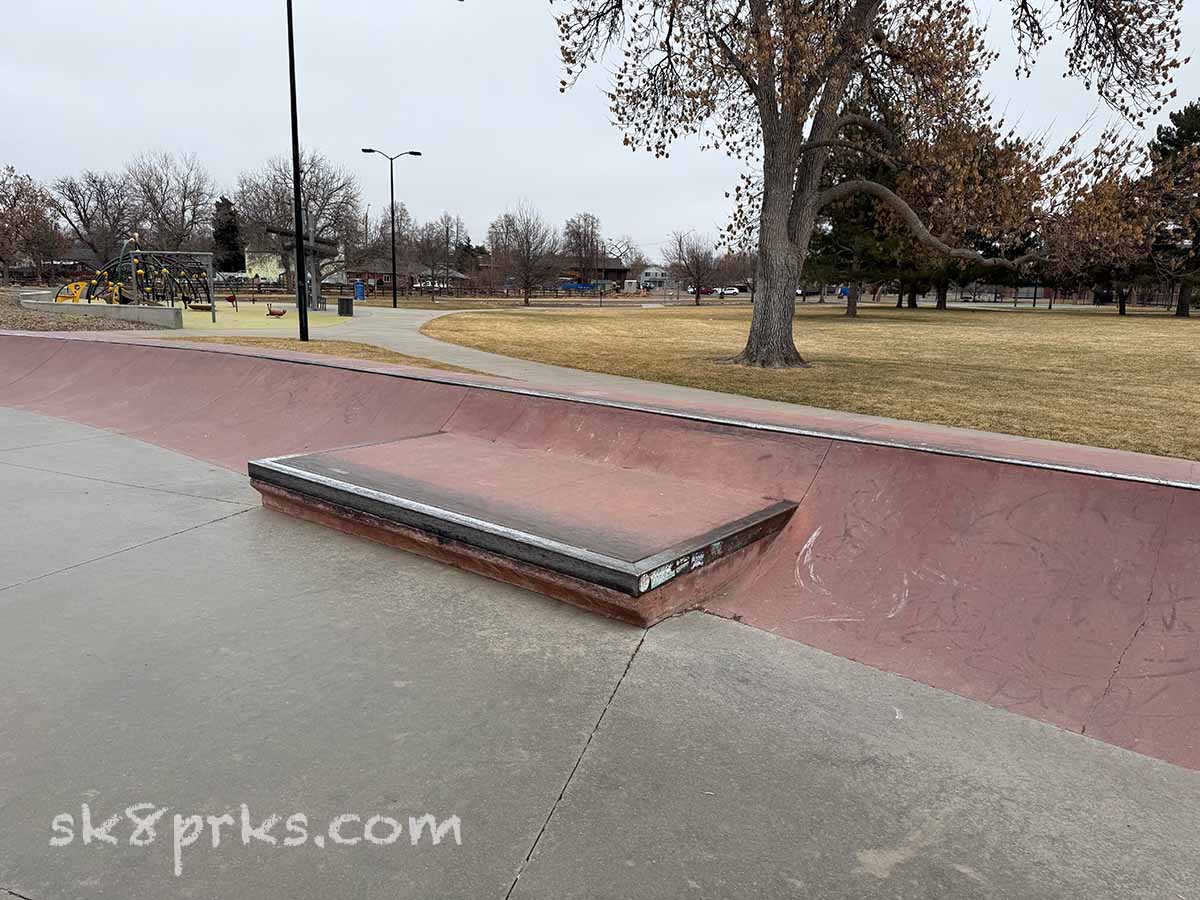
{"x":1056,"y":581}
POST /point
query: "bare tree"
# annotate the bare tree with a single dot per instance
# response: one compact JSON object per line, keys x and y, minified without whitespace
{"x":175,"y":196}
{"x":329,"y":192}
{"x":43,"y":240}
{"x":736,"y":267}
{"x":405,"y":230}
{"x":500,"y":243}
{"x":533,"y":249}
{"x":99,"y":208}
{"x":583,"y":245}
{"x":429,"y":249}
{"x":784,"y":86}
{"x":23,"y":213}
{"x":630,"y":253}
{"x":692,"y":258}
{"x":453,"y":235}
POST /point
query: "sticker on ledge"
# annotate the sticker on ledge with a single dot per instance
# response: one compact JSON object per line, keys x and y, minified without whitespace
{"x":662,"y":575}
{"x":697,"y":560}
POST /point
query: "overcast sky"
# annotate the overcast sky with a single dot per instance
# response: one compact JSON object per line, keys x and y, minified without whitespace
{"x":473,"y":85}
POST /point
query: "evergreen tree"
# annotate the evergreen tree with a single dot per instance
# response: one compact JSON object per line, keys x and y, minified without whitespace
{"x":1176,"y":155}
{"x":228,"y":253}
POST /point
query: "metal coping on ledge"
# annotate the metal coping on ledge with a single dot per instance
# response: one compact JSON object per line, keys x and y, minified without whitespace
{"x":632,"y":578}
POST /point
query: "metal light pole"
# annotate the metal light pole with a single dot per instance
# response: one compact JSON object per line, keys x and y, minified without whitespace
{"x":301,"y":275}
{"x":392,"y":172}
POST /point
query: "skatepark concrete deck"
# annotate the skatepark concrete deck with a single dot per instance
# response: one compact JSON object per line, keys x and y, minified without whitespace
{"x":165,"y":640}
{"x":1053,"y":580}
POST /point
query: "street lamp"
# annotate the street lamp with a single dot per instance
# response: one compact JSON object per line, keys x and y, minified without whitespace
{"x":392,"y":172}
{"x":301,"y":290}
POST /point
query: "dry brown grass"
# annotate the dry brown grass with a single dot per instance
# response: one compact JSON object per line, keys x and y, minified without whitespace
{"x":15,"y":317}
{"x":349,"y":349}
{"x":1085,"y":377}
{"x":416,"y":301}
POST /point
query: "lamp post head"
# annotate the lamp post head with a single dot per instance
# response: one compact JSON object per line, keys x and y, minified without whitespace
{"x":369,"y":150}
{"x":414,"y":152}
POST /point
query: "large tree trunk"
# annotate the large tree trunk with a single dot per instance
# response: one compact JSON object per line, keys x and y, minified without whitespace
{"x":770,"y":343}
{"x":697,"y":296}
{"x":943,"y":288}
{"x":852,"y":300}
{"x":1183,"y":306}
{"x":912,"y":297}
{"x":1122,"y":297}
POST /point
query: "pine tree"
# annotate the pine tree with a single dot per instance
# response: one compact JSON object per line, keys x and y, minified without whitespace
{"x":228,"y":254}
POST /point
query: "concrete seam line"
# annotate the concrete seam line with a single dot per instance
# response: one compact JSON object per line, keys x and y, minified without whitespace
{"x":140,"y":487}
{"x":105,"y":556}
{"x":91,"y":437}
{"x":588,"y":743}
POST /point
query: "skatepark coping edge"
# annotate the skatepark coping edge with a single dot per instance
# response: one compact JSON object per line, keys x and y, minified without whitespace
{"x":809,"y":422}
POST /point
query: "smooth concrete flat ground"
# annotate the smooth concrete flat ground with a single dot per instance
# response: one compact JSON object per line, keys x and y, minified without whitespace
{"x":165,"y":640}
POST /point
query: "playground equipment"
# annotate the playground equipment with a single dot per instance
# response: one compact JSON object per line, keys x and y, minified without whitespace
{"x":148,"y":277}
{"x":72,"y":292}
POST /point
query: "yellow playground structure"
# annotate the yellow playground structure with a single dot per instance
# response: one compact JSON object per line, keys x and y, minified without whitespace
{"x":149,"y":278}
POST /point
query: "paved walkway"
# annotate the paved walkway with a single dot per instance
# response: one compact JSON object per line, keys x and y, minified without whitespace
{"x":164,"y":640}
{"x":400,"y":330}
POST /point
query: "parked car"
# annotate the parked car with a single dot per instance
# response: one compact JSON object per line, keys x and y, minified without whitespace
{"x":730,"y":292}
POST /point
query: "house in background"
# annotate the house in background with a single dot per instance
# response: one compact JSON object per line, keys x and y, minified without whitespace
{"x":613,"y":268}
{"x":655,"y":277}
{"x":376,"y":274}
{"x":608,"y":269}
{"x":265,"y":264}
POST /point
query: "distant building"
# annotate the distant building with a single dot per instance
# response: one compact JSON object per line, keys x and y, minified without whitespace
{"x":654,"y":277}
{"x":265,"y":264}
{"x":608,"y":268}
{"x":376,"y":273}
{"x":612,"y":268}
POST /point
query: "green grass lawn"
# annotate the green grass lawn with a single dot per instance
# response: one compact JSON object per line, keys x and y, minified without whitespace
{"x":1085,"y":376}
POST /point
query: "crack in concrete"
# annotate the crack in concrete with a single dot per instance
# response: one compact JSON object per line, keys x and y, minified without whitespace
{"x":16,"y":894}
{"x":139,"y":487}
{"x":88,"y":562}
{"x":90,"y":437}
{"x":586,"y":745}
{"x":1145,"y":618}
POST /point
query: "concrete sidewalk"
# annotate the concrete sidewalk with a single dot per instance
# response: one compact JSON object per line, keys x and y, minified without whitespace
{"x":164,"y":640}
{"x":400,"y":330}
